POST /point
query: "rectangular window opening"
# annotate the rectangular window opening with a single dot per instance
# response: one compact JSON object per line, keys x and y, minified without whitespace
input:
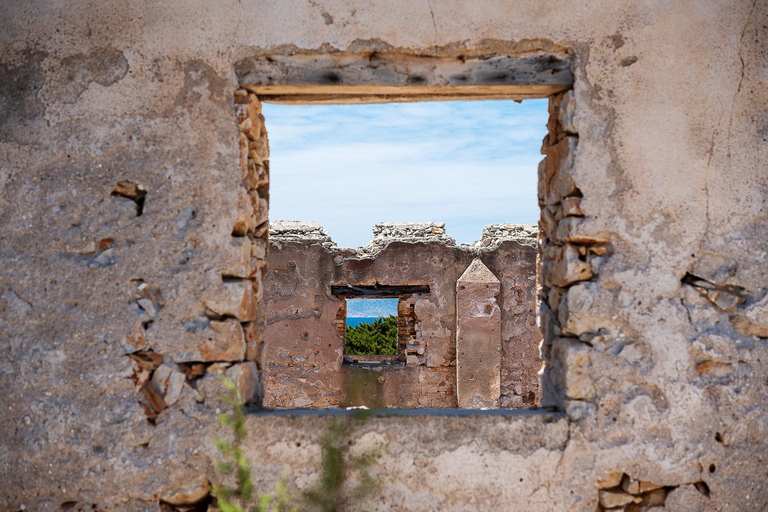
{"x":371,"y":334}
{"x":332,"y":345}
{"x":455,"y":181}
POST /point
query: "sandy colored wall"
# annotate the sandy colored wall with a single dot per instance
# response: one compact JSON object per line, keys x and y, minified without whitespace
{"x":670,"y":110}
{"x":304,"y":351}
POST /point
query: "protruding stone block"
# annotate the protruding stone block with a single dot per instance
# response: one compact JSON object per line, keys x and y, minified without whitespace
{"x":568,"y":267}
{"x":239,"y":262}
{"x":478,"y":338}
{"x":254,"y":340}
{"x":566,"y":113}
{"x":617,"y":499}
{"x":234,"y":300}
{"x":245,"y":215}
{"x":574,"y":358}
{"x":187,"y":489}
{"x":612,"y":480}
{"x":571,"y":230}
{"x":169,"y":383}
{"x":555,"y":181}
{"x":572,"y":207}
{"x":246,"y":379}
{"x":576,"y":310}
{"x":225,"y":343}
{"x":568,"y":374}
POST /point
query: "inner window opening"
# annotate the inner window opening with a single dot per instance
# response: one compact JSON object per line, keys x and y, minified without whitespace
{"x":371,"y":328}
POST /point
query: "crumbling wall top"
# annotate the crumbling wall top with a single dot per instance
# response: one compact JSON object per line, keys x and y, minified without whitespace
{"x":386,"y":232}
{"x":494,"y":234}
{"x":298,"y":231}
{"x":422,"y":231}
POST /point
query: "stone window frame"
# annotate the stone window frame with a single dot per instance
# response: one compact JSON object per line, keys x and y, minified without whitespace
{"x":568,"y":259}
{"x":410,"y":349}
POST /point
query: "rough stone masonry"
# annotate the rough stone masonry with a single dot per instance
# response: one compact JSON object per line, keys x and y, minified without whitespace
{"x":133,"y":237}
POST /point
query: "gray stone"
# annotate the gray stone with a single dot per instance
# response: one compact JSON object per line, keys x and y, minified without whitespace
{"x":576,"y":313}
{"x":686,"y":498}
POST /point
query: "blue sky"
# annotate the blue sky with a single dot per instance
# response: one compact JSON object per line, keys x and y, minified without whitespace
{"x":468,"y":164}
{"x":357,"y":308}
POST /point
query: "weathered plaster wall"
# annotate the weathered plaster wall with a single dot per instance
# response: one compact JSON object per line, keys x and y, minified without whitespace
{"x":304,"y":351}
{"x":670,"y":110}
{"x":479,"y":462}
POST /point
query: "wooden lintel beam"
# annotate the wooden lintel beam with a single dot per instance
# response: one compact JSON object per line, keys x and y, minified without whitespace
{"x":378,"y":290}
{"x":392,"y":76}
{"x":389,"y":94}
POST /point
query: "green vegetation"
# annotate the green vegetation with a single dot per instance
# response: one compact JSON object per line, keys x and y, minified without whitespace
{"x":238,"y":497}
{"x":343,"y":484}
{"x":372,"y":338}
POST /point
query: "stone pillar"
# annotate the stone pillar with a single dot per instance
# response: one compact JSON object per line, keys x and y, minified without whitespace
{"x":478,"y":338}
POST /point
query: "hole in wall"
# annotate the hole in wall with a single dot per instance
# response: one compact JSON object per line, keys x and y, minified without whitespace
{"x":371,"y":327}
{"x":346,"y":265}
{"x":469,"y":164}
{"x":132,"y":190}
{"x":702,"y":487}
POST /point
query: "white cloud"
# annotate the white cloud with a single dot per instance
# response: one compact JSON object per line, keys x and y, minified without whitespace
{"x":357,"y":308}
{"x":468,"y":164}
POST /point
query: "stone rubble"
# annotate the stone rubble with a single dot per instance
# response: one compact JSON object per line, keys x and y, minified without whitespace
{"x":295,"y":231}
{"x":494,"y":234}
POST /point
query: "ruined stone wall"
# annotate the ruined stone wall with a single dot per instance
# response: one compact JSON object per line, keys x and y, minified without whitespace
{"x":305,"y":344}
{"x":659,"y":358}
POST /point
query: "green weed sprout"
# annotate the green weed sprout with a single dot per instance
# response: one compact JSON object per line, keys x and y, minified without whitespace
{"x":239,"y":496}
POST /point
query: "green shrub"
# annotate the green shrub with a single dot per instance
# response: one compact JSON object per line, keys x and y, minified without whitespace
{"x":333,"y":491}
{"x":239,"y":495}
{"x":372,"y":338}
{"x":343,"y":483}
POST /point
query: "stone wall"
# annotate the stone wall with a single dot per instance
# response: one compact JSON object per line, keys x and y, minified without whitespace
{"x":305,"y":320}
{"x":226,"y":337}
{"x":658,"y":359}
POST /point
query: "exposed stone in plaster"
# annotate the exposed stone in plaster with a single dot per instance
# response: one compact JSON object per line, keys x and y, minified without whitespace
{"x":187,"y":492}
{"x":725,"y":296}
{"x":134,"y":191}
{"x":669,"y":165}
{"x":752,"y":320}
